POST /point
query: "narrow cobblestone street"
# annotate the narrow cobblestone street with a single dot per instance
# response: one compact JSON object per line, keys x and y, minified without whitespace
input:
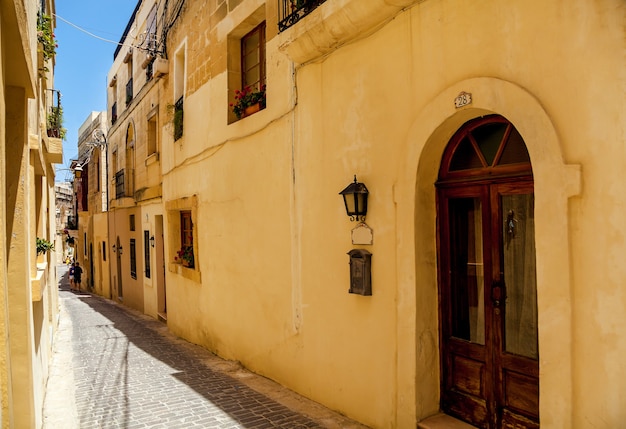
{"x":115,"y":368}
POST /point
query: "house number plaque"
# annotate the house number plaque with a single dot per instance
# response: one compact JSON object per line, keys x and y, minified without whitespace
{"x":463,"y":99}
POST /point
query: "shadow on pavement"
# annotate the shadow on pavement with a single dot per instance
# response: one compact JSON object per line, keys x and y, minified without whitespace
{"x":110,"y":336}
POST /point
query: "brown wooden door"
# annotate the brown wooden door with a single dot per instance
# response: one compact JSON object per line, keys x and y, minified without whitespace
{"x":489,"y":348}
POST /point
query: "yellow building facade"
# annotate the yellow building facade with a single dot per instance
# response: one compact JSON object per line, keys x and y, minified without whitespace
{"x":91,"y":244}
{"x":490,"y":137}
{"x":136,"y":118}
{"x":30,"y":145}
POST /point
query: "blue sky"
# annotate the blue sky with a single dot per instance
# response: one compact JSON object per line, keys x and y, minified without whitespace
{"x":83,"y":61}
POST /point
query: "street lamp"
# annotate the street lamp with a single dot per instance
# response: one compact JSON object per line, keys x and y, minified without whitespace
{"x":78,"y":171}
{"x":100,"y":141}
{"x":355,"y":200}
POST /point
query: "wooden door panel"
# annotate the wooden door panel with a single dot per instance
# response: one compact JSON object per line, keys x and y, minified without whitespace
{"x":487,"y":278}
{"x":465,"y":407}
{"x":521,"y":393}
{"x":468,"y":376}
{"x":465,"y":348}
{"x":521,"y":364}
{"x":517,"y":351}
{"x":482,"y":383}
{"x":516,"y":421}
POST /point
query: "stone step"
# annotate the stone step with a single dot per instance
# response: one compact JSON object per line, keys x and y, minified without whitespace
{"x":443,"y":421}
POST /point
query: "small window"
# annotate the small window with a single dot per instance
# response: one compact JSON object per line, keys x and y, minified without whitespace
{"x":114,"y":113}
{"x":146,"y":251}
{"x":104,"y":251}
{"x":150,"y":44}
{"x":178,"y":118}
{"x":185,"y":254}
{"x":129,"y":83}
{"x":129,"y":91}
{"x":253,"y":58}
{"x":179,"y":91}
{"x":483,"y":147}
{"x":246,"y":74}
{"x":131,"y":222}
{"x":152,"y":135}
{"x":97,"y":162}
{"x":133,"y":259}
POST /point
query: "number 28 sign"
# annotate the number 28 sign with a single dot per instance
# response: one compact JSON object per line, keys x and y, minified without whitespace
{"x":463,"y":99}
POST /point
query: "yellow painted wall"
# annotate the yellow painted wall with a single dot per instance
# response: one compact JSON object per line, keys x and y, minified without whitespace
{"x":132,"y":288}
{"x":373,"y":95}
{"x":142,"y":170}
{"x":150,"y":284}
{"x":102,"y":281}
{"x":28,"y":290}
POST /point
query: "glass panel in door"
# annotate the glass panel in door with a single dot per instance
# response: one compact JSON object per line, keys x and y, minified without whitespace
{"x":516,"y":341}
{"x":467,"y":270}
{"x":520,"y":324}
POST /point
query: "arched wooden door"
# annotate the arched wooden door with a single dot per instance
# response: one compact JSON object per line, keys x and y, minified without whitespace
{"x":487,"y":278}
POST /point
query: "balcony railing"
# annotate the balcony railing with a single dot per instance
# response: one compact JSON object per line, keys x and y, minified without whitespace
{"x":71,"y":223}
{"x":54,"y":117}
{"x":292,"y":11}
{"x":129,"y":91}
{"x":150,"y":70}
{"x":119,"y":184}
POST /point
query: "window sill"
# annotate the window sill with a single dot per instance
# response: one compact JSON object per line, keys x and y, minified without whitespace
{"x":38,"y":283}
{"x":192,"y":274}
{"x":152,"y":158}
{"x":236,"y":119}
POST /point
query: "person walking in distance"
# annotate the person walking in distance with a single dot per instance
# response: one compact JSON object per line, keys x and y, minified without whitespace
{"x":72,"y":277}
{"x":78,"y":273}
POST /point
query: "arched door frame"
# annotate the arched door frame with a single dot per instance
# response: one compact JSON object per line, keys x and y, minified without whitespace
{"x":555,"y":183}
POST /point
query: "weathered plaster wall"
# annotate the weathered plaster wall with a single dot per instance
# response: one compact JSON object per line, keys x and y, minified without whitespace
{"x":149,"y":212}
{"x":270,"y":287}
{"x":102,"y":261}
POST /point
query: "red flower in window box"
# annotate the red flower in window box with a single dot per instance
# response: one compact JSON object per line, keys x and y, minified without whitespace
{"x":248,"y":97}
{"x":185,"y":256}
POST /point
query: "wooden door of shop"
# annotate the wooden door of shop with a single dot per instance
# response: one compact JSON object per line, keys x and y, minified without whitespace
{"x":487,"y":278}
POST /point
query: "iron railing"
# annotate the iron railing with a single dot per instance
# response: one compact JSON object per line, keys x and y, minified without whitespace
{"x":119,"y":184}
{"x":129,"y":91}
{"x":54,"y":117}
{"x":292,"y":11}
{"x":178,"y":119}
{"x":150,"y":70}
{"x":114,"y":113}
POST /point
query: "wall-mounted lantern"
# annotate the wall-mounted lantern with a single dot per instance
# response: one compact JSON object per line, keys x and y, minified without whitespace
{"x":355,"y":200}
{"x":152,"y":241}
{"x":78,"y":171}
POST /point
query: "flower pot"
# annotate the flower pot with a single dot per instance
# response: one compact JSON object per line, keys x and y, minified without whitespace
{"x":252,"y":109}
{"x":186,"y":263}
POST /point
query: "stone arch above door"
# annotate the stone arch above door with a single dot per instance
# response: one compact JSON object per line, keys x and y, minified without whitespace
{"x":555,"y":183}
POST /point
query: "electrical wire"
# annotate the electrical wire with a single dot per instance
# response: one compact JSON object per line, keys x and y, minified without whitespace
{"x":90,"y":34}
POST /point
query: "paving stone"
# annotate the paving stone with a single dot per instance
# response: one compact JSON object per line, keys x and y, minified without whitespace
{"x":116,"y":368}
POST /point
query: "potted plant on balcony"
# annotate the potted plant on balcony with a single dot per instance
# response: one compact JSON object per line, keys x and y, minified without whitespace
{"x":306,"y":5}
{"x":46,"y":37}
{"x":44,"y":246}
{"x":185,"y":256}
{"x":248,"y":101}
{"x":55,"y":123}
